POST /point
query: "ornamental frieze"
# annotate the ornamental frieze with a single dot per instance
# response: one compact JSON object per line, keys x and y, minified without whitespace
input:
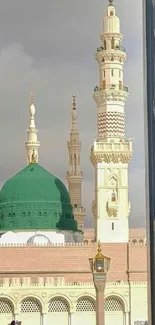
{"x":115,"y":158}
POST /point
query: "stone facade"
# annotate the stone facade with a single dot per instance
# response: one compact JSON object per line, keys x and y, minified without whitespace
{"x":74,"y":174}
{"x":45,"y":284}
{"x":50,"y":299}
{"x":37,"y":283}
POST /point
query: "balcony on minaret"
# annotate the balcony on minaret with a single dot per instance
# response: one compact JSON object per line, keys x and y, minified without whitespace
{"x":121,"y":146}
{"x":118,"y":151}
{"x":113,"y":47}
{"x":105,"y":86}
{"x":104,"y":54}
{"x":78,"y":210}
{"x":71,"y":174}
{"x":110,"y":91}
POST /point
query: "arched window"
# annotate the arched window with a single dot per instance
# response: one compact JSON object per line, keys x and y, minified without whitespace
{"x":134,"y":241}
{"x":12,"y":224}
{"x":86,"y":242}
{"x":6,"y":306}
{"x":113,"y":304}
{"x":58,"y":305}
{"x":75,"y":163}
{"x":39,"y":214}
{"x":29,"y":223}
{"x":85,"y":304}
{"x":30,"y":305}
{"x":111,"y":13}
{"x":29,"y":214}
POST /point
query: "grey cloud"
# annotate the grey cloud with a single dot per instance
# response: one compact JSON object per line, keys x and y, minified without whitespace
{"x":49,"y":47}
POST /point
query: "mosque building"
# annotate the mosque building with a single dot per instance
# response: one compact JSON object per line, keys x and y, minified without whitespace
{"x":44,"y":271}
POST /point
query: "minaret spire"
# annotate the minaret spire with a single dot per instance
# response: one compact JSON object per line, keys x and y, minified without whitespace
{"x":111,"y":2}
{"x":74,"y":174}
{"x":74,"y":114}
{"x":111,"y":152}
{"x":32,"y":144}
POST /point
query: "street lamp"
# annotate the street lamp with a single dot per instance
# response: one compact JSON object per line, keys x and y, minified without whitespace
{"x":99,"y":266}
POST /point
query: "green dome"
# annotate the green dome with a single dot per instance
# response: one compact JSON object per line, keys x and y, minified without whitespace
{"x":35,"y":199}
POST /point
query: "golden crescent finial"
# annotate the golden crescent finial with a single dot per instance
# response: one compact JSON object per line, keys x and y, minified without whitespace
{"x":31,"y":98}
{"x":74,"y":101}
{"x":99,"y":251}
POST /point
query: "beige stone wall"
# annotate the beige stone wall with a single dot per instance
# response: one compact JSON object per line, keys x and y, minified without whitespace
{"x":50,"y":299}
{"x":138,"y":294}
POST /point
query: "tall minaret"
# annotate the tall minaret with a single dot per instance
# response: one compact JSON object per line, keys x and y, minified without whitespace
{"x":111,"y":152}
{"x":32,"y":144}
{"x":74,"y":174}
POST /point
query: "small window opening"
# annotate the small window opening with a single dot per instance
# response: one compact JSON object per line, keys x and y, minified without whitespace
{"x":112,"y":43}
{"x":112,"y":225}
{"x":112,"y":72}
{"x":111,"y":13}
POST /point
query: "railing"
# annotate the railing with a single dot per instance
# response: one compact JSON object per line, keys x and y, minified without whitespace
{"x":111,"y":87}
{"x":113,"y":147}
{"x":54,"y":281}
{"x":79,"y":210}
{"x":119,"y":48}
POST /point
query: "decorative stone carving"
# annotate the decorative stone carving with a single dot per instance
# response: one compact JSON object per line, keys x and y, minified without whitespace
{"x":100,"y":282}
{"x":111,"y":210}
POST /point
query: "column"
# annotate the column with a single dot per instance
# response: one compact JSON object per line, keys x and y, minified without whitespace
{"x":71,"y":319}
{"x":126,"y":318}
{"x":100,"y":282}
{"x":44,"y":319}
{"x":16,"y":316}
{"x":100,"y":308}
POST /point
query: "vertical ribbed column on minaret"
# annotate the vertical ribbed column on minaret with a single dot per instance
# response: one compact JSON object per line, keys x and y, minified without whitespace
{"x":74,"y":175}
{"x":32,"y":144}
{"x":111,"y":152}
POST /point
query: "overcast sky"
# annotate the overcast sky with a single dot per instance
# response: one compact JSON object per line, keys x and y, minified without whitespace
{"x":48,"y":47}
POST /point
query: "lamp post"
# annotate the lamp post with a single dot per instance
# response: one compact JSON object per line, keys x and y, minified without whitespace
{"x":99,"y":267}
